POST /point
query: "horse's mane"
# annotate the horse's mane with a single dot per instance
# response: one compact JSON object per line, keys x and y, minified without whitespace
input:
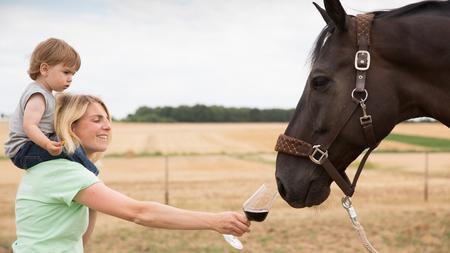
{"x":326,"y":31}
{"x":402,"y":11}
{"x":412,"y":8}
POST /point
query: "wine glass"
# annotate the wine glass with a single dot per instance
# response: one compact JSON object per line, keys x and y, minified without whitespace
{"x":256,"y":209}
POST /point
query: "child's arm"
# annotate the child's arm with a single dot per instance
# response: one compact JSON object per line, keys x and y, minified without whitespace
{"x":34,"y":109}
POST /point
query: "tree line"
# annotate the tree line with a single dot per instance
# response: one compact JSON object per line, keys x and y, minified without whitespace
{"x":203,"y":113}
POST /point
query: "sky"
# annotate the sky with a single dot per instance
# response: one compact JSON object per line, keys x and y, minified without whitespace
{"x":235,"y":53}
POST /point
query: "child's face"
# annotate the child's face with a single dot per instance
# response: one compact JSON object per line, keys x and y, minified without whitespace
{"x":57,"y":77}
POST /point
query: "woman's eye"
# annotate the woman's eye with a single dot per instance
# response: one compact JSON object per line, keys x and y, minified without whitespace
{"x":320,"y":82}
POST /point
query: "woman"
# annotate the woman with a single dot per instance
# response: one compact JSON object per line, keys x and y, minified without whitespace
{"x":53,"y":197}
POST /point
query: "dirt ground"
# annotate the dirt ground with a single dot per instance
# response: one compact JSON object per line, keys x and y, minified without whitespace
{"x":389,"y":200}
{"x":221,"y":168}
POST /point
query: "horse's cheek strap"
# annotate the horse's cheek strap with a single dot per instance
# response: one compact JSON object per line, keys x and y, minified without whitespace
{"x":345,"y":185}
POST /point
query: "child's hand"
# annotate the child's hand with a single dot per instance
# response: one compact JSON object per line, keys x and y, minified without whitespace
{"x":54,"y":148}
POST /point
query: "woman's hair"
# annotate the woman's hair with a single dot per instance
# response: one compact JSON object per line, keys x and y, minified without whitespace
{"x":69,"y":109}
{"x":53,"y":52}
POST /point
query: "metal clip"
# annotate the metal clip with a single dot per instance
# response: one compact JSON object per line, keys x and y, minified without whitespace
{"x":363,"y":107}
{"x":365,"y":119}
{"x":317,"y":150}
{"x":347,"y":204}
{"x":362,"y":99}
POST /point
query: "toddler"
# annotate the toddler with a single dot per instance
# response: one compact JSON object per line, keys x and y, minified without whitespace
{"x":32,"y":137}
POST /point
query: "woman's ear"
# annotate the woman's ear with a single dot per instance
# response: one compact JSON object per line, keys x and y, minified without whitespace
{"x":43,"y":69}
{"x":73,"y":127}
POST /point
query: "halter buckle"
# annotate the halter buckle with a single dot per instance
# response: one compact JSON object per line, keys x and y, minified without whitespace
{"x":317,"y":151}
{"x":365,"y":120}
{"x":362,"y":60}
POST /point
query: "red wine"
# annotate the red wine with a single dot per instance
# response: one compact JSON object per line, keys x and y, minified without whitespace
{"x":256,"y":215}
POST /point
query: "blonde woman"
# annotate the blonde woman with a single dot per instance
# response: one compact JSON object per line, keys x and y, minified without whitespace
{"x":54,"y":197}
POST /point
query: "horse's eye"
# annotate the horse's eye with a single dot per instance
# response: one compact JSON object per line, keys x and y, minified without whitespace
{"x":320,"y":82}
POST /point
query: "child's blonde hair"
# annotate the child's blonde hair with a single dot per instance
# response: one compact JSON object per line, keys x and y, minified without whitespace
{"x":69,"y":109}
{"x":53,"y":52}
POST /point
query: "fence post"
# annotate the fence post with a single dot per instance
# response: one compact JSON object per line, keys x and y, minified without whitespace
{"x":426,"y":178}
{"x":166,"y":181}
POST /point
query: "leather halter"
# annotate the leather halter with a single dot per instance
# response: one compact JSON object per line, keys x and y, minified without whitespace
{"x":318,"y":153}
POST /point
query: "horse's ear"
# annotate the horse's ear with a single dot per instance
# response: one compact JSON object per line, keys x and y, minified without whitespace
{"x":336,"y":13}
{"x":323,"y":13}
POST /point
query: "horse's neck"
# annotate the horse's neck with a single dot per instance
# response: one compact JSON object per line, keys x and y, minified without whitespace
{"x":437,"y":102}
{"x":421,"y":56}
{"x":416,"y":41}
{"x":425,"y":93}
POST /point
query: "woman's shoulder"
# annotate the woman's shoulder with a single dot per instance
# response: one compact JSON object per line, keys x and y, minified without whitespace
{"x":56,"y":167}
{"x":55,"y":181}
{"x":60,"y":162}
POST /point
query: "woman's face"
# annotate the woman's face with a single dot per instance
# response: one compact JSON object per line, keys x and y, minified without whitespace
{"x":93,"y":129}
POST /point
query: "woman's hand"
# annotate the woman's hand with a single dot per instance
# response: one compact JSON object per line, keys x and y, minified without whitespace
{"x":231,"y":223}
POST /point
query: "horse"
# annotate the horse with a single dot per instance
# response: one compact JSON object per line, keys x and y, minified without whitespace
{"x":368,"y":73}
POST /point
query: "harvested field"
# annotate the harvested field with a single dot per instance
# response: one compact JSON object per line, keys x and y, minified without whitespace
{"x":389,"y":198}
{"x":208,"y":138}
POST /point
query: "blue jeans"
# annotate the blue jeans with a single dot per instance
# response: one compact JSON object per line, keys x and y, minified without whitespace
{"x":31,"y":154}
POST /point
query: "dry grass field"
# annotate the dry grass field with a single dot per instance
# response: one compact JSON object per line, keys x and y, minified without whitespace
{"x":215,"y":167}
{"x":131,"y":139}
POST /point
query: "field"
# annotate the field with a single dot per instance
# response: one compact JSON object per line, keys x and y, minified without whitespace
{"x":214,"y":167}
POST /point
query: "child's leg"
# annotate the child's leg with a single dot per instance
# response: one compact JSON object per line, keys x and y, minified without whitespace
{"x":80,"y":157}
{"x":31,"y":154}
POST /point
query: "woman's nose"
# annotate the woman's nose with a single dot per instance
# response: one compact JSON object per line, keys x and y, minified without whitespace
{"x":107,"y":125}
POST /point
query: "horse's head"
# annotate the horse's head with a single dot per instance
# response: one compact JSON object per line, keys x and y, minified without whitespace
{"x":324,"y":111}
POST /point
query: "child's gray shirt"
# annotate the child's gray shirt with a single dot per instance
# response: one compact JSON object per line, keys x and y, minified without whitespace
{"x":17,"y":137}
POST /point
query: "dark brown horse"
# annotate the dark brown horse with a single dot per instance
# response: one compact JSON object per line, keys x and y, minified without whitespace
{"x":350,"y":103}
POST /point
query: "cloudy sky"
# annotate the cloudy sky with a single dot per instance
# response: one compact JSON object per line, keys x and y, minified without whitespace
{"x":249,"y":53}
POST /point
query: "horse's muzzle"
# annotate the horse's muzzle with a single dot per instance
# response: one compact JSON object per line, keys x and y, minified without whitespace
{"x":301,"y":183}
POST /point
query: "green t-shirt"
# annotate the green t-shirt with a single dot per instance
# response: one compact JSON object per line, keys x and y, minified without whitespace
{"x":47,"y":218}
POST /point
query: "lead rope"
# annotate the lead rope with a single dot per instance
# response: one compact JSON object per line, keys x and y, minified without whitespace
{"x":347,"y":204}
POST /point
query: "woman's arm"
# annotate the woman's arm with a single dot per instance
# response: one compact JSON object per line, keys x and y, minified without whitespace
{"x":90,"y":229}
{"x":152,"y":214}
